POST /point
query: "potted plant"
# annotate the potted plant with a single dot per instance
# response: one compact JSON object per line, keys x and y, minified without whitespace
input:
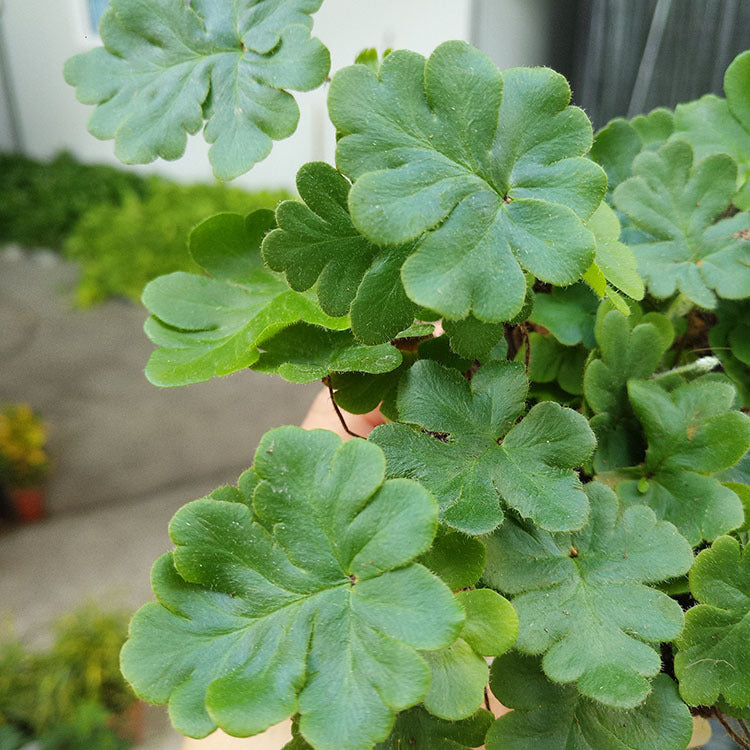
{"x":24,"y":463}
{"x":562,"y":481}
{"x":71,"y":695}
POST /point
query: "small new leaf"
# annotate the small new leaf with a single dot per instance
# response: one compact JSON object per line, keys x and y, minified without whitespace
{"x":207,"y":327}
{"x":305,"y":600}
{"x":582,"y":598}
{"x":167,"y":66}
{"x":547,"y":716}
{"x":692,"y":432}
{"x":317,"y":240}
{"x":461,"y":442}
{"x":486,"y":190}
{"x":713,"y":658}
{"x":676,"y":203}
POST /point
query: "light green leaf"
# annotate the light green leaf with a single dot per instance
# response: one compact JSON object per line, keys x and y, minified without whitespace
{"x":317,"y":240}
{"x":302,"y":353}
{"x":307,"y":602}
{"x":465,"y":448}
{"x":547,"y":716}
{"x":628,"y":347}
{"x":166,"y":66}
{"x":582,"y":601}
{"x":677,"y":202}
{"x":692,"y":432}
{"x":613,"y":258}
{"x":456,"y":558}
{"x":490,"y":190}
{"x":712,"y":658}
{"x":212,"y":326}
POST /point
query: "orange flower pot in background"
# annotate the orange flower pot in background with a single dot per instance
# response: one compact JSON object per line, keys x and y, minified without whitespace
{"x":28,"y":503}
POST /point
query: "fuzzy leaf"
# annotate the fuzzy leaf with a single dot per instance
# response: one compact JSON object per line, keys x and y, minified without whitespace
{"x":307,"y":602}
{"x":712,"y":657}
{"x":207,"y":327}
{"x":473,"y":339}
{"x":676,"y":202}
{"x":486,"y":190}
{"x":166,"y":66}
{"x":317,"y":240}
{"x":547,"y":716}
{"x":455,"y":449}
{"x":581,"y":598}
{"x":628,"y":347}
{"x":692,"y":432}
{"x":613,"y":258}
{"x":456,"y":558}
{"x":303,"y":353}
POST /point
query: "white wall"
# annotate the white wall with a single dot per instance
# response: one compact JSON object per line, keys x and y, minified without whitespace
{"x":41,"y":34}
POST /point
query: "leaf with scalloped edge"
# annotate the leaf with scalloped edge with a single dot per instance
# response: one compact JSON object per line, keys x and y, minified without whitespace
{"x":317,"y":242}
{"x":547,"y":716}
{"x":692,"y":433}
{"x":304,"y":600}
{"x":713,"y":125}
{"x":712,"y":658}
{"x":486,"y":190}
{"x":167,"y":65}
{"x":676,"y":202}
{"x":730,"y":343}
{"x":206,"y":327}
{"x":461,"y":441}
{"x":302,"y":353}
{"x":583,"y":600}
{"x":628,"y":347}
{"x":419,"y":730}
{"x":459,"y":671}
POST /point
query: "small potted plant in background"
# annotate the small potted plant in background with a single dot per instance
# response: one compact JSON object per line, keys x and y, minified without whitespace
{"x":24,"y":463}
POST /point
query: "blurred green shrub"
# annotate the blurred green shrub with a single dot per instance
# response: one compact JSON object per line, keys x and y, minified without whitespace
{"x":41,"y":202}
{"x":121,"y":248}
{"x":64,"y":697}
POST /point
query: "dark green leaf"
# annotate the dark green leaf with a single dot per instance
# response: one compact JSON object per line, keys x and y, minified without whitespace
{"x":692,"y":432}
{"x":457,"y":558}
{"x":547,"y":716}
{"x":302,"y":353}
{"x":730,"y":342}
{"x":568,"y":314}
{"x":550,"y":361}
{"x":490,"y":190}
{"x":713,"y":658}
{"x":318,"y":241}
{"x":473,"y":339}
{"x":212,"y":326}
{"x":581,"y":598}
{"x":305,"y":603}
{"x":676,"y":202}
{"x":167,"y":66}
{"x":465,"y":448}
{"x":418,"y":729}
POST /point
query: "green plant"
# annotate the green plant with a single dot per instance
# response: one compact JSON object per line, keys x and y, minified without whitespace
{"x":64,"y":696}
{"x":121,"y":248}
{"x":40,"y":202}
{"x":23,"y":459}
{"x":564,"y":443}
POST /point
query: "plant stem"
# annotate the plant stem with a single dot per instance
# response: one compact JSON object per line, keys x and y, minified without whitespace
{"x":327,"y":381}
{"x":741,"y":741}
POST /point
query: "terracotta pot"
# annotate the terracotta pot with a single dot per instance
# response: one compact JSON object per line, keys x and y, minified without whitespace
{"x":28,"y":503}
{"x":131,"y":723}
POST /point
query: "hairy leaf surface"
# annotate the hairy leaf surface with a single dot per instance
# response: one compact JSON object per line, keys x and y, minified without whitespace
{"x":460,"y":441}
{"x":582,"y":598}
{"x":316,"y":241}
{"x":212,"y":326}
{"x":692,"y":432}
{"x":713,"y":658}
{"x":676,"y":202}
{"x":556,"y":717}
{"x":304,"y":600}
{"x":484,"y":169}
{"x":166,"y":66}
